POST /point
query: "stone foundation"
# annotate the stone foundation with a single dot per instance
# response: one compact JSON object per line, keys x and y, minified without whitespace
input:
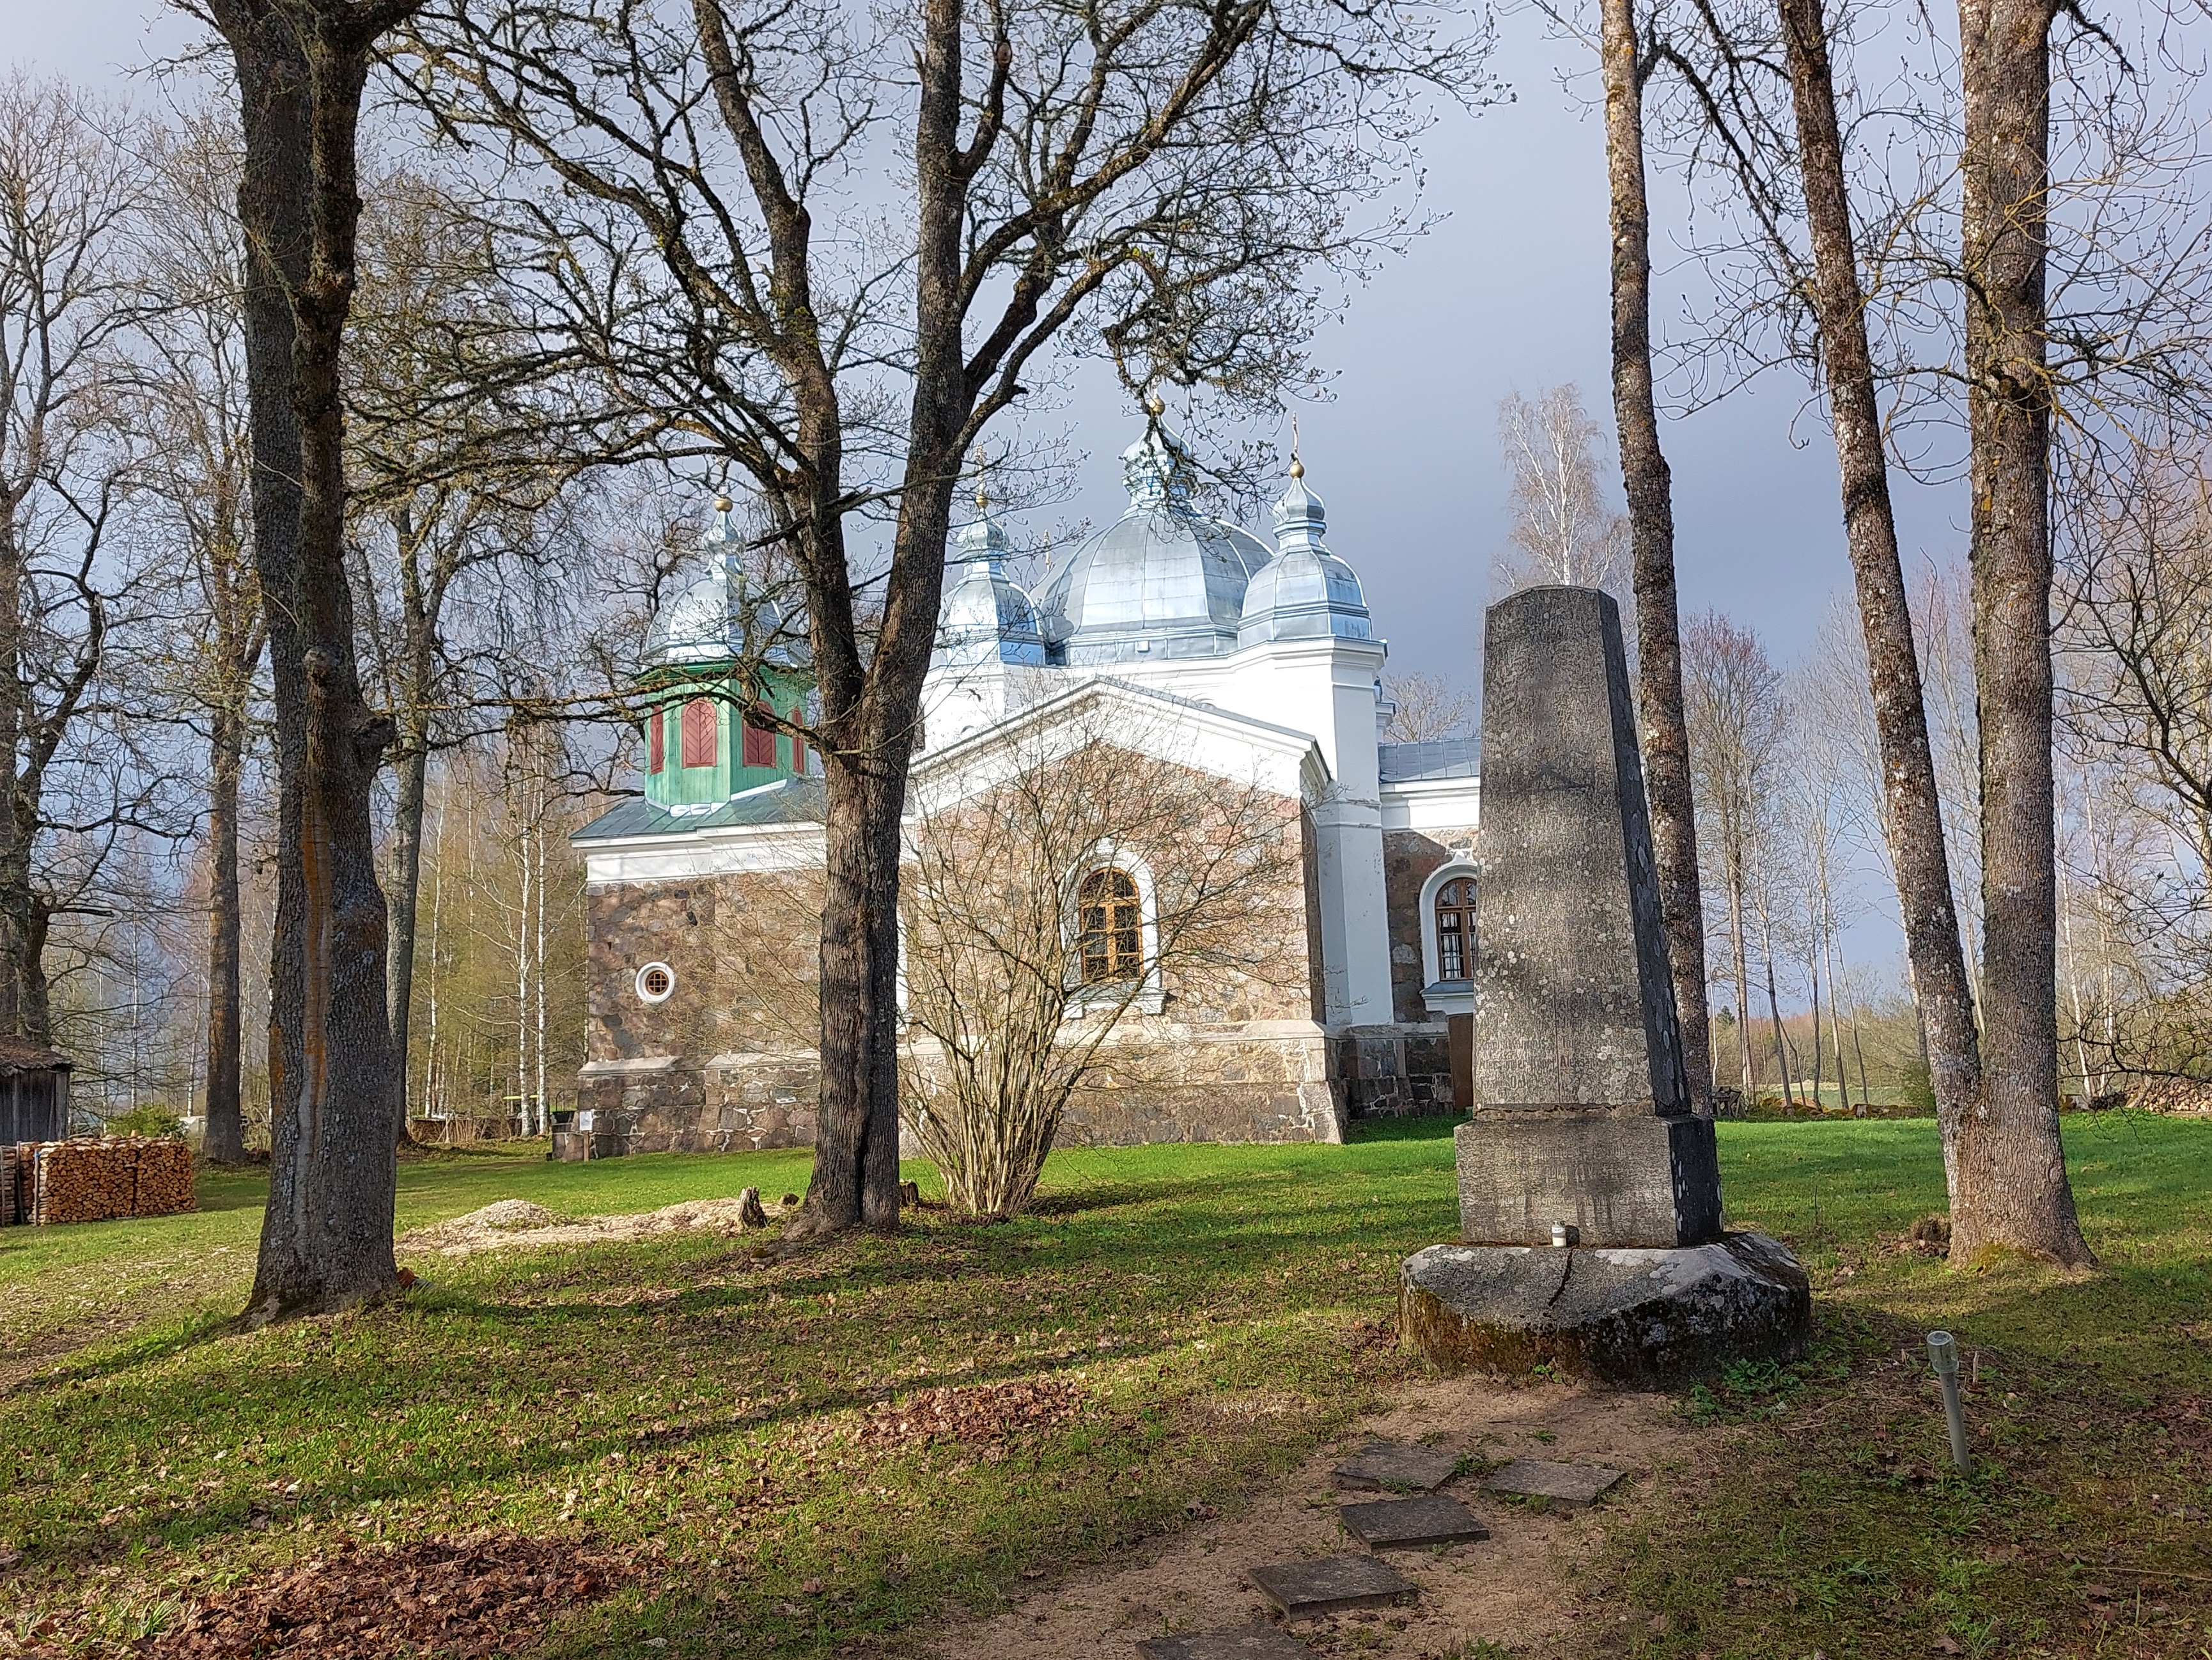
{"x":735,"y":1104}
{"x":1394,"y":1072}
{"x":1182,"y":1085}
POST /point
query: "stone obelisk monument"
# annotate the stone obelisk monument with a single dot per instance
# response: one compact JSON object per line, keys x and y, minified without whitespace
{"x":1589,"y":1193}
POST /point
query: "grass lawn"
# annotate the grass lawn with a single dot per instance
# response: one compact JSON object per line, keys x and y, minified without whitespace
{"x":700,"y":1420}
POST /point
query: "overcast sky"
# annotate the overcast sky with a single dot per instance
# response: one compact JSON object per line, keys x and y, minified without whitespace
{"x":1508,"y":293}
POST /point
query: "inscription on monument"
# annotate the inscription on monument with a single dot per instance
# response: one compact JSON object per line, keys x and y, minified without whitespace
{"x":1581,"y":1106}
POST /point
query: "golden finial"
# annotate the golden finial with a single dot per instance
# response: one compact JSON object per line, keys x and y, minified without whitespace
{"x":1155,"y":405}
{"x":1298,"y":467}
{"x":982,"y":498}
{"x":722,"y":504}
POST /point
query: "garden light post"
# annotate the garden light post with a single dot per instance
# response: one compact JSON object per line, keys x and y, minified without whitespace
{"x":1943,"y":1355}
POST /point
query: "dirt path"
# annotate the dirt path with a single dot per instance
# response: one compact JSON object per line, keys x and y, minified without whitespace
{"x":1512,"y":1590}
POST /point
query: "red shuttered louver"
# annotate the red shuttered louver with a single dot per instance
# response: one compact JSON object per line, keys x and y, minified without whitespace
{"x":759,"y":743}
{"x":699,"y":745}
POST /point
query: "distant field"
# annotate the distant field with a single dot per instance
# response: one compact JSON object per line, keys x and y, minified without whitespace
{"x":673,"y":1395}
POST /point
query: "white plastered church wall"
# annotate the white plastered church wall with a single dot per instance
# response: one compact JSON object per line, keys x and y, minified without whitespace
{"x":1304,"y":661}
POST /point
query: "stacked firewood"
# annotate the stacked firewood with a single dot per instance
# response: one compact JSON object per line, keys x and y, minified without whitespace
{"x":10,"y":1207}
{"x":165,"y":1177}
{"x":98,"y":1180}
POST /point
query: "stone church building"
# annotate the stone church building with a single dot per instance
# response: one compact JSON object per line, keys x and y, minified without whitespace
{"x":1209,"y":648}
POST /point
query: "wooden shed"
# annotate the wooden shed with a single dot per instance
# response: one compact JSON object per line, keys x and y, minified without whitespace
{"x":34,"y":1092}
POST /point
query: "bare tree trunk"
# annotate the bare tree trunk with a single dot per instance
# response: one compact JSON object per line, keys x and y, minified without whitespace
{"x":1830,"y":953}
{"x":1812,"y":976}
{"x":224,"y":1140}
{"x":1781,"y":1065}
{"x":2012,"y":1191}
{"x":1914,"y":815}
{"x":1650,"y":488}
{"x":431,"y":1094}
{"x":1739,"y":958}
{"x":419,"y":602}
{"x":872,"y":718}
{"x":856,"y":1134}
{"x":410,"y":776}
{"x":537,"y":950}
{"x":326,"y":1237}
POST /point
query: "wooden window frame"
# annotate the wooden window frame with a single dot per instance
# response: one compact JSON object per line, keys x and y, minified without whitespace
{"x":1459,"y":939}
{"x":1109,"y":923}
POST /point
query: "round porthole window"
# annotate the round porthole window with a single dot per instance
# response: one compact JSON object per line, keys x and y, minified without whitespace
{"x":655,"y":980}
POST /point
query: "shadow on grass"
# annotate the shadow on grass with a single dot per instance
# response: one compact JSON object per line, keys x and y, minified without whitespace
{"x":129,"y":1354}
{"x":1432,"y":1128}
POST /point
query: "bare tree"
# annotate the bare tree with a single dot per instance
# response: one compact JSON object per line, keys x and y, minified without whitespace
{"x":193,"y":485}
{"x":1911,"y":813}
{"x":1563,"y":531}
{"x":461,"y":438}
{"x":1150,"y":181}
{"x":69,"y":187}
{"x":1031,"y":950}
{"x":2137,"y":708}
{"x":1733,"y":697}
{"x":1427,"y":707}
{"x":299,"y":67}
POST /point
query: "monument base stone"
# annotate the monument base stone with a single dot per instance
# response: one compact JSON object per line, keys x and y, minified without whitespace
{"x":1617,"y":1178}
{"x":1627,"y":1316}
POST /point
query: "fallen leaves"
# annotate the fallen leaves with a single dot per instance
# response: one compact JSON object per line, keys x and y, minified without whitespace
{"x":461,"y":1597}
{"x":979,"y":1412}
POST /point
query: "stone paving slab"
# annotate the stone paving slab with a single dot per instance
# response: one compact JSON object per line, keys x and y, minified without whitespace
{"x":1572,"y":1484}
{"x":1249,"y":1643}
{"x":1331,"y":1585}
{"x":1431,"y":1519}
{"x":1395,"y":1466}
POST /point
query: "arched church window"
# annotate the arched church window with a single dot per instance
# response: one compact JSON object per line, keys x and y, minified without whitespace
{"x":1455,"y":930}
{"x":759,"y":747}
{"x":699,"y":745}
{"x":1111,"y":920}
{"x":656,"y":743}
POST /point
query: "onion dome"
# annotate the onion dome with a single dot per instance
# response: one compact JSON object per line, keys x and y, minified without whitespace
{"x":1163,"y":580}
{"x":985,"y":615}
{"x":719,"y":617}
{"x":1304,"y":592}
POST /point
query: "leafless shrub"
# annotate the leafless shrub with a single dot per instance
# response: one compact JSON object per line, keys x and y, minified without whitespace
{"x":1090,"y":883}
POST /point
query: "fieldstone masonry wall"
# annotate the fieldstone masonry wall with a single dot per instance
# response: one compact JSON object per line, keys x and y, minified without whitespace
{"x":1409,"y":859}
{"x":726,"y":1063}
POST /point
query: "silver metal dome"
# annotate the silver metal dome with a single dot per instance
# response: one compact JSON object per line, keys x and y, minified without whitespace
{"x":986,"y":614}
{"x":1163,"y":580}
{"x":720,"y":617}
{"x":1304,"y":592}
